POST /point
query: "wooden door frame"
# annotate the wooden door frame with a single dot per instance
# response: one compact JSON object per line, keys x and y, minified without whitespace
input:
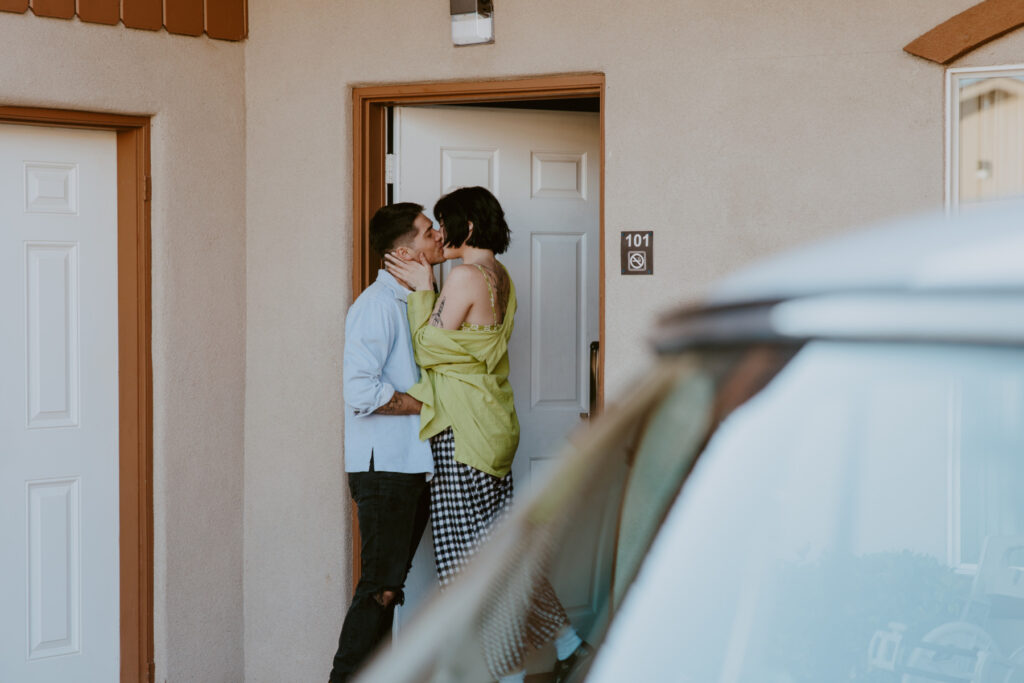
{"x":135,"y":374}
{"x":369,"y":146}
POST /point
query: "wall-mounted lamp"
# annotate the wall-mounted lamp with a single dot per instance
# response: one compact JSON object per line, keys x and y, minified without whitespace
{"x":472,"y":22}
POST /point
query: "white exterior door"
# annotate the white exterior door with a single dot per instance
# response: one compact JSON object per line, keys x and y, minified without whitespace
{"x":59,"y":582}
{"x":544,"y":168}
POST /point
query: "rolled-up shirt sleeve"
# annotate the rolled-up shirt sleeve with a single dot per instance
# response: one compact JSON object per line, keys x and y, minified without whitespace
{"x":369,"y":335}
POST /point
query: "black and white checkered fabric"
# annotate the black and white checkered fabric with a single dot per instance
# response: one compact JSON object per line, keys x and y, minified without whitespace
{"x":522,"y":611}
{"x":465,"y":504}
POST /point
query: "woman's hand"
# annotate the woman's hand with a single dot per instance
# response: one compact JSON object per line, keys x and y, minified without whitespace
{"x":417,"y":274}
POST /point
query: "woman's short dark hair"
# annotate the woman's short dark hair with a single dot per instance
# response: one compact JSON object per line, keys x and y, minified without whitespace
{"x":476,"y":205}
{"x":392,"y":225}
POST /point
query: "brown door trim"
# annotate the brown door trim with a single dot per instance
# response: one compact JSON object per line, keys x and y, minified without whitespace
{"x":134,"y":370}
{"x":369,"y":117}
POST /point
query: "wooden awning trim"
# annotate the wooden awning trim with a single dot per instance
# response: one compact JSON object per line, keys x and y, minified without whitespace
{"x":968,"y":30}
{"x":19,"y":6}
{"x":221,"y":19}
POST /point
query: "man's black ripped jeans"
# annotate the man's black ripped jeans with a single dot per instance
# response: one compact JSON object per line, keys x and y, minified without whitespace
{"x":393,"y":511}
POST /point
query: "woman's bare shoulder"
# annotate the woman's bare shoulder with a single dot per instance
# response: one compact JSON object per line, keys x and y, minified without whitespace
{"x":464,"y":269}
{"x":465,"y":275}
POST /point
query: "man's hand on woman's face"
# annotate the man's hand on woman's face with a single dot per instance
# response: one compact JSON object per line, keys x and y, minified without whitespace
{"x":418,"y":274}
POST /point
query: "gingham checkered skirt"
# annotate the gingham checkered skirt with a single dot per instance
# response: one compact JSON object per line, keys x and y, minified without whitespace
{"x":465,"y":505}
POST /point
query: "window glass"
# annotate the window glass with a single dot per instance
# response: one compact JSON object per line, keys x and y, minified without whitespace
{"x":675,"y":433}
{"x":814,"y":540}
{"x":989,"y":124}
{"x":989,"y":462}
{"x":561,"y":541}
{"x":676,"y":430}
{"x":582,"y":536}
{"x":605,"y":532}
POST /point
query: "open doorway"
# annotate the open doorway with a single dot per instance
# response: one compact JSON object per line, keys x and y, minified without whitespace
{"x":557,"y":226}
{"x":543,"y":166}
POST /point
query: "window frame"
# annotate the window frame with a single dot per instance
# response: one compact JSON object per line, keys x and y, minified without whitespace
{"x":953,"y":78}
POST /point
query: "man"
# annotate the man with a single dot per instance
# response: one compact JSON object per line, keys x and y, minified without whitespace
{"x":387,"y":464}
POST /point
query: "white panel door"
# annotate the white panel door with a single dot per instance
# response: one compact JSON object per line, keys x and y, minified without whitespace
{"x":59,"y":585}
{"x":543,"y":166}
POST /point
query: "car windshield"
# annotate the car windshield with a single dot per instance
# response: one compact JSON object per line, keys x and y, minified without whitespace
{"x":859,"y":519}
{"x":823,"y":512}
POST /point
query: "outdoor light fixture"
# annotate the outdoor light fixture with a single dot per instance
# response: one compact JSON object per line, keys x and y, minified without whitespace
{"x":472,"y":22}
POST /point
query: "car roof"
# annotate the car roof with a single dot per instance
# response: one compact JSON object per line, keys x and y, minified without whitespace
{"x":933,"y":277}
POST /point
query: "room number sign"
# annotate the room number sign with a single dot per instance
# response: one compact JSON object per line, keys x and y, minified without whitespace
{"x":637,"y":248}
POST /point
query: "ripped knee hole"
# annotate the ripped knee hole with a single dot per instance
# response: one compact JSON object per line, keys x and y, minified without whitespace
{"x":384,"y":598}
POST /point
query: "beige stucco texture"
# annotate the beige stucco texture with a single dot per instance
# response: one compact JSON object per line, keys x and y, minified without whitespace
{"x":732,"y":129}
{"x":193,"y":87}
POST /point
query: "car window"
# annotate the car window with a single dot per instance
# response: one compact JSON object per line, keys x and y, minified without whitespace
{"x":675,"y":433}
{"x":584,"y":533}
{"x":603,"y":528}
{"x":677,"y":427}
{"x":988,"y":460}
{"x":860,"y":519}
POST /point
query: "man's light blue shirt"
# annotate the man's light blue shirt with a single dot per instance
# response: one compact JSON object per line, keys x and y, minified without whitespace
{"x":378,"y":361}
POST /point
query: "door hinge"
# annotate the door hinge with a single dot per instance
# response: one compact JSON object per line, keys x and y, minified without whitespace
{"x":149,"y":188}
{"x":389,"y":169}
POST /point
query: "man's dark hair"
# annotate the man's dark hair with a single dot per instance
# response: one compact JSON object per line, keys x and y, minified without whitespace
{"x":392,"y":225}
{"x":476,"y":205}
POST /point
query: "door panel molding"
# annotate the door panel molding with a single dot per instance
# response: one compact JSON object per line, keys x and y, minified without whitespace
{"x":135,"y":373}
{"x":369,"y":189}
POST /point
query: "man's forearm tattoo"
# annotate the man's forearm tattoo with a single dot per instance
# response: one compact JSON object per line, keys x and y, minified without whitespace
{"x":400,"y":404}
{"x":391,"y":406}
{"x":435,"y":317}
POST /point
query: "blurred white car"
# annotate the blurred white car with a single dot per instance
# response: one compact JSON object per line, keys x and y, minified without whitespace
{"x":821,"y":479}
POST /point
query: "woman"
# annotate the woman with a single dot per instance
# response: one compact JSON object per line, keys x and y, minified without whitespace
{"x":460,"y":337}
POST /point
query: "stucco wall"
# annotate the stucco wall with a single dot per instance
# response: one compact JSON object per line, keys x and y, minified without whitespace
{"x":733,"y":128}
{"x":193,"y":87}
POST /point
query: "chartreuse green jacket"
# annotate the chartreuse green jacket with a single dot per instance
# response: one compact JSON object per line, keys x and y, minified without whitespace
{"x":464,"y":385}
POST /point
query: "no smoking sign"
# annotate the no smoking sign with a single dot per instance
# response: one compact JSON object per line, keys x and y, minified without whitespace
{"x":637,"y":248}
